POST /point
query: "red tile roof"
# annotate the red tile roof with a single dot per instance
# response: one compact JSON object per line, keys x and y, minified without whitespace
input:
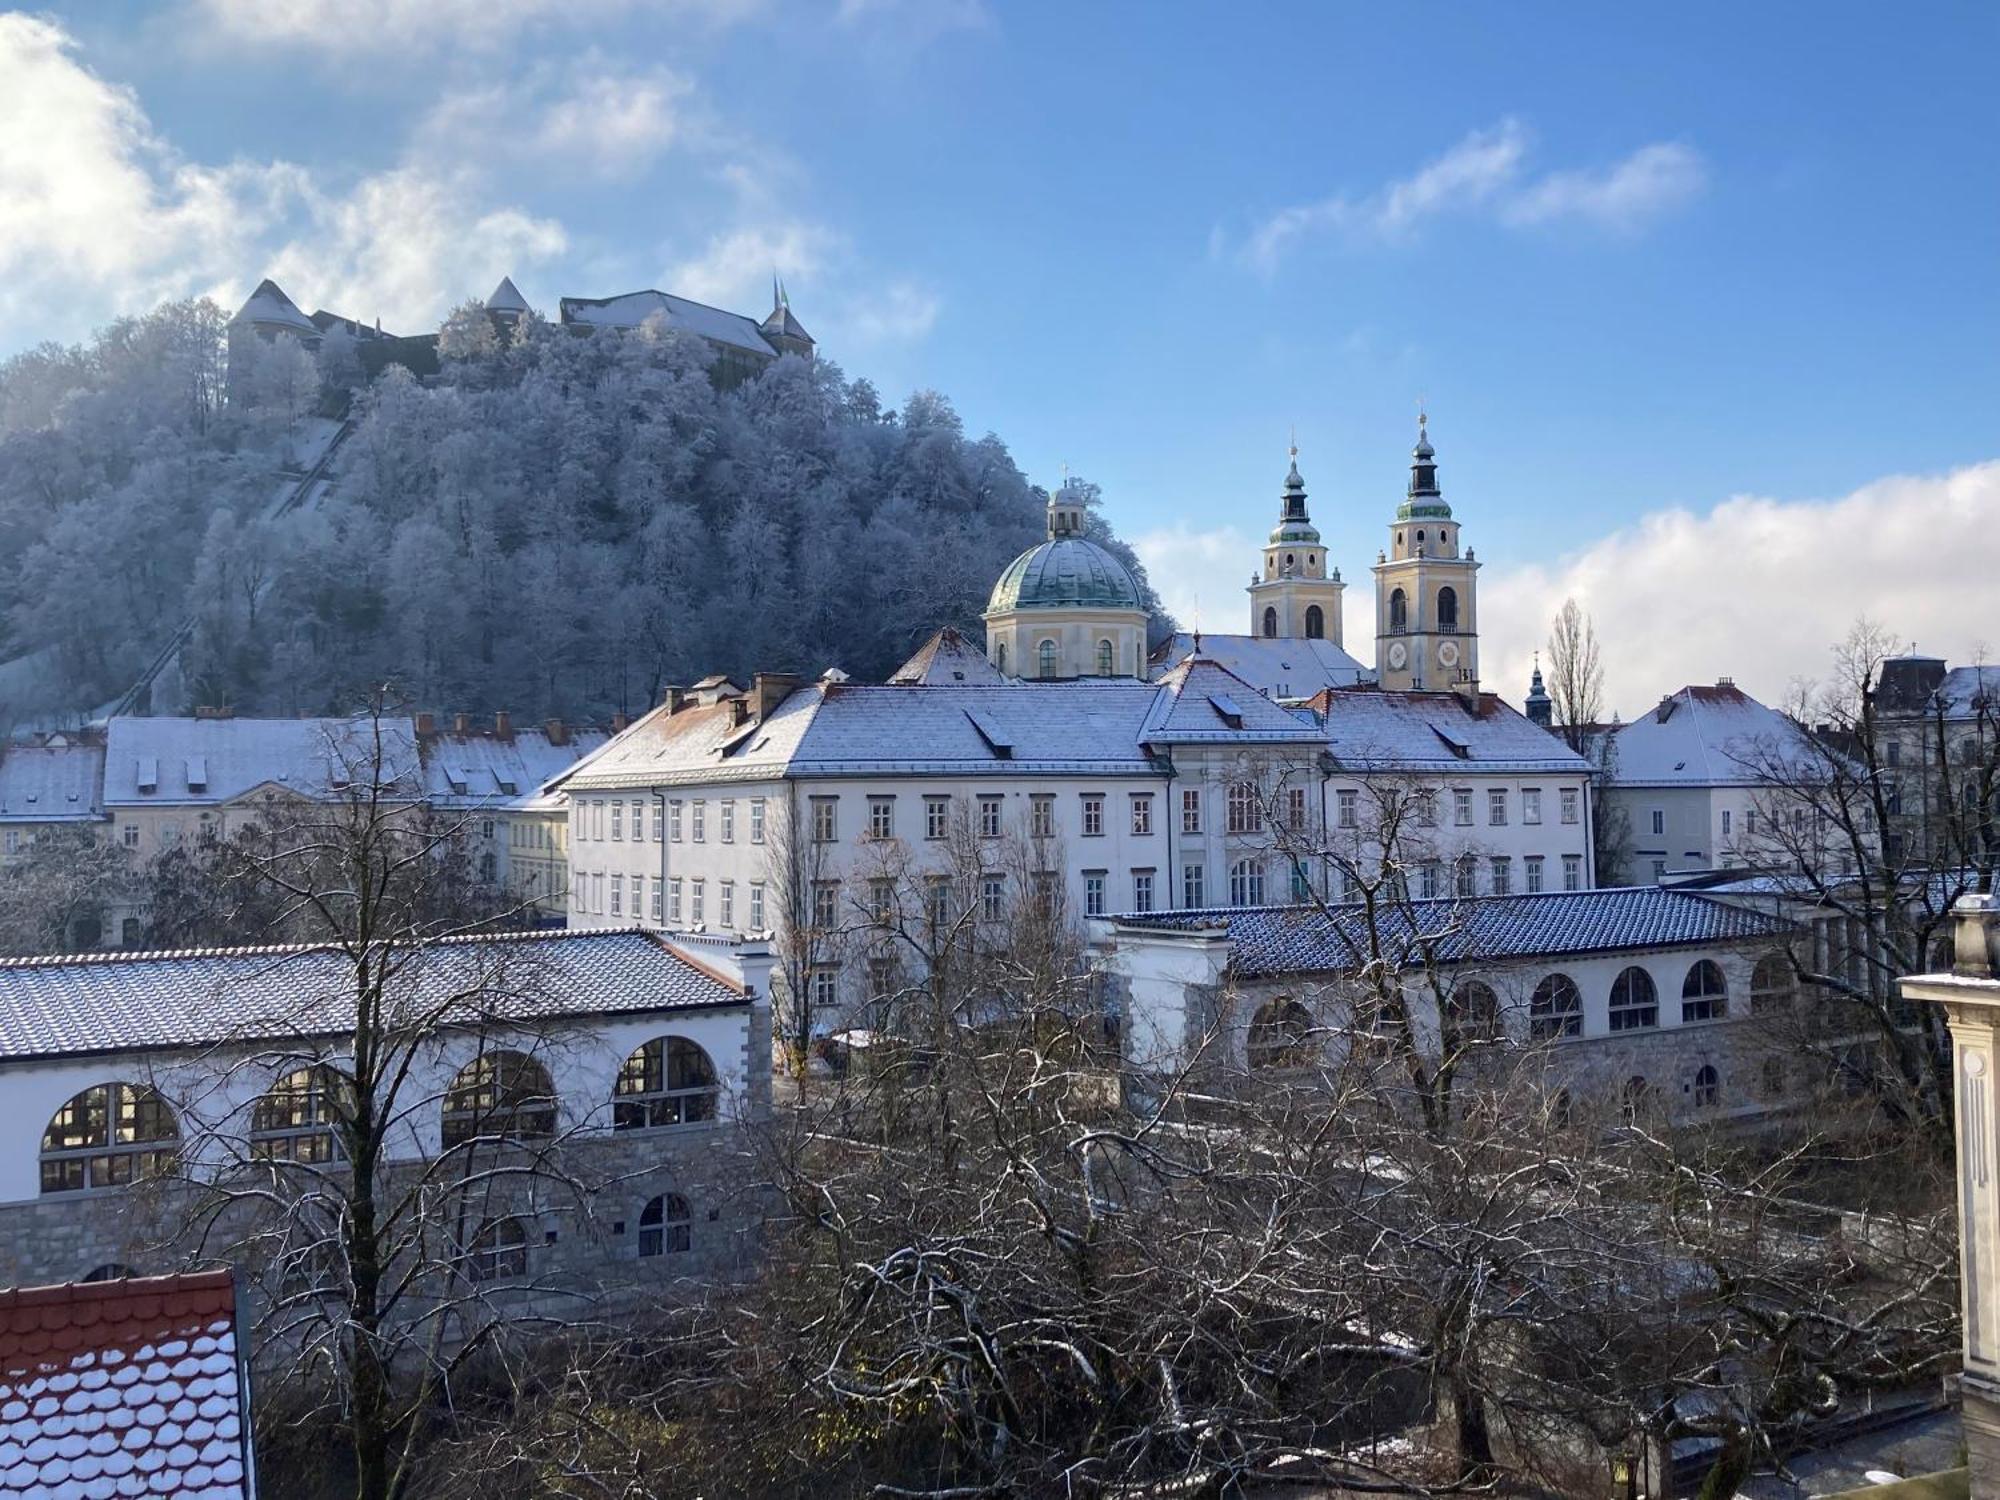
{"x":130,"y":1387}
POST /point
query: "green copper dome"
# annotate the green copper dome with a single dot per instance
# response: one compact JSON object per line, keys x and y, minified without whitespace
{"x":1064,"y":573}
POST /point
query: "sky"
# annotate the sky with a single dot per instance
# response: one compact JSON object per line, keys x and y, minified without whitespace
{"x":1703,"y":300}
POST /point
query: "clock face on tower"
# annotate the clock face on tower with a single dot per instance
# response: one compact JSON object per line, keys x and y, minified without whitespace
{"x":1399,"y":655}
{"x":1448,"y":653}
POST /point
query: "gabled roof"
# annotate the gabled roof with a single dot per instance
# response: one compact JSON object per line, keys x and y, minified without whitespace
{"x":506,"y":298}
{"x":1201,"y":700}
{"x":124,"y":1387}
{"x":51,"y":783}
{"x":1268,"y":941}
{"x":154,"y":1002}
{"x":633,"y":308}
{"x":946,"y":657}
{"x":206,"y":762}
{"x":269,"y":305}
{"x":488,"y":771}
{"x":1369,"y":729}
{"x":1708,"y":736}
{"x":696,"y":742}
{"x":1277,"y":667}
{"x":1090,"y":726}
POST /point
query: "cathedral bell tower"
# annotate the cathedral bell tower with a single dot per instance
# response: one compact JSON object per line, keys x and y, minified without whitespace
{"x":1296,"y":596}
{"x":1426,"y":618}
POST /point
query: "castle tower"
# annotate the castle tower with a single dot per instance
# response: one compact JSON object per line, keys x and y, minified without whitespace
{"x":781,"y":330}
{"x":1296,"y":596}
{"x":1539,"y":707}
{"x":1426,"y":617}
{"x":506,"y":307}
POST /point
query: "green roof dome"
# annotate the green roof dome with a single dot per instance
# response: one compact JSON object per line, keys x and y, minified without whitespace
{"x":1064,"y":573}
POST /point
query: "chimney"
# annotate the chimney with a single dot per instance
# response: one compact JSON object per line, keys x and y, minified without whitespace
{"x":768,"y":690}
{"x":557,"y":731}
{"x":427,"y":723}
{"x":214,"y":711}
{"x":670,"y":698}
{"x":461,"y":723}
{"x":503,"y":725}
{"x":619,"y":723}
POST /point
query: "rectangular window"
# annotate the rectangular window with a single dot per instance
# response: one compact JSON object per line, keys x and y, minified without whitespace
{"x":1427,"y":808}
{"x":882,"y":901}
{"x":1533,"y":865}
{"x":825,"y":987}
{"x":756,"y":820}
{"x":1503,"y":875}
{"x":1093,"y":815}
{"x":1570,"y":796}
{"x":1348,"y":801}
{"x":881,"y":977}
{"x":989,"y":817}
{"x":1427,"y":880}
{"x":659,"y":821}
{"x":825,"y":904}
{"x":1041,"y":816}
{"x":1725,"y":822}
{"x":597,"y":892}
{"x":1496,"y":806}
{"x":1093,"y":893}
{"x":1191,"y":809}
{"x":1048,"y":893}
{"x":992,"y":897}
{"x":937,"y":901}
{"x":1659,"y":871}
{"x":1531,"y":804}
{"x":1142,"y":814}
{"x":726,"y":904}
{"x":1461,"y":806}
{"x":674,"y":821}
{"x":756,"y":906}
{"x":1192,"y":893}
{"x":653,"y":887}
{"x":1295,"y":809}
{"x":1464,"y":877}
{"x":1572,"y":872}
{"x":674,"y":899}
{"x":618,"y":821}
{"x":131,"y":833}
{"x":1659,"y":820}
{"x":825,"y":819}
{"x":1142,"y":890}
{"x":1246,"y":883}
{"x":1895,"y":749}
{"x":617,"y":892}
{"x":729,"y":821}
{"x":698,"y":821}
{"x":697,"y":902}
{"x":1749,"y":824}
{"x":937,"y":817}
{"x":1245,"y":814}
{"x":1301,"y":884}
{"x":881,"y":817}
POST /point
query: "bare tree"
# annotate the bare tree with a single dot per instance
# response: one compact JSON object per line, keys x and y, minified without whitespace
{"x":1576,"y":674}
{"x":57,"y":895}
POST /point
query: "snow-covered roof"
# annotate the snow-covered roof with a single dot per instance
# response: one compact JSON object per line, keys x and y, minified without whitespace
{"x":1275,"y":940}
{"x":127,"y":1386}
{"x":153,"y":1002}
{"x":633,"y":308}
{"x":487,"y":770}
{"x":1707,"y":736}
{"x":58,"y":780}
{"x":269,"y":305}
{"x":1090,"y":726}
{"x":1369,"y":729}
{"x":1966,"y":692}
{"x":946,"y":657}
{"x":696,"y":742}
{"x":208,"y":761}
{"x":506,"y":298}
{"x":1201,"y":700}
{"x":1278,"y":667}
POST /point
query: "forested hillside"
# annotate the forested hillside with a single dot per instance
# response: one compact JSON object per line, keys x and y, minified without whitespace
{"x":555,"y":527}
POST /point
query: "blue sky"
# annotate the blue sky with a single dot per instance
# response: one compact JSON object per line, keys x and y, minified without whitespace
{"x":1637,"y":261}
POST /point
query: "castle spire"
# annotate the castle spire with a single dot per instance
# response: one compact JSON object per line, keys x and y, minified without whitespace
{"x":1292,"y":509}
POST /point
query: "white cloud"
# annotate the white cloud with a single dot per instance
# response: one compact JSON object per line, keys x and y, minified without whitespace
{"x":900,"y":312}
{"x":735,"y":267}
{"x":1760,"y":589}
{"x":589,"y":117}
{"x":1486,"y":172}
{"x":1200,"y":575}
{"x":347,"y":27}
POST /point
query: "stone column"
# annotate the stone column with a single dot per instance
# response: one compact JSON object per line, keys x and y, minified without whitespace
{"x":1970,"y":995}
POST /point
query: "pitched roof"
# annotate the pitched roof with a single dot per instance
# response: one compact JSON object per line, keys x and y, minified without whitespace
{"x":631,"y":309}
{"x":1276,"y":940}
{"x":269,"y":304}
{"x":51,"y":783}
{"x":1089,"y":726}
{"x":946,"y":657}
{"x":1201,"y":700}
{"x":1278,"y":667}
{"x":697,"y":742}
{"x":489,"y":771}
{"x":1368,"y":729}
{"x":506,"y":298}
{"x":1966,"y":692}
{"x":139,"y":1002}
{"x":124,"y":1387}
{"x":210,"y":761}
{"x":1707,"y":735}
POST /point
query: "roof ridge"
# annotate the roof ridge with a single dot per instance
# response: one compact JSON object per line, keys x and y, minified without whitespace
{"x":275,"y":950}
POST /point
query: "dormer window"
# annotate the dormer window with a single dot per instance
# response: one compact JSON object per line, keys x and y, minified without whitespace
{"x":149,"y":773}
{"x":197,"y":773}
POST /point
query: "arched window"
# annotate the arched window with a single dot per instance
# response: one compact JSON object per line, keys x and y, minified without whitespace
{"x":1281,"y":1036}
{"x":1315,"y":623}
{"x":1474,"y":1009}
{"x":1000,"y":658}
{"x":1107,"y":662}
{"x":1447,"y":608}
{"x":1246,"y":883}
{"x":1045,"y":659}
{"x":1704,"y":996}
{"x":1635,"y":1003}
{"x":1634,"y":1099}
{"x":107,"y":1136}
{"x":1556,"y":1008}
{"x":1270,"y":621}
{"x":499,"y":1095}
{"x":1772,"y":984}
{"x":1707,"y":1087}
{"x":294,"y":1120}
{"x":1399,"y":611}
{"x":666,"y":1227}
{"x":498,"y":1252}
{"x":669,"y":1081}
